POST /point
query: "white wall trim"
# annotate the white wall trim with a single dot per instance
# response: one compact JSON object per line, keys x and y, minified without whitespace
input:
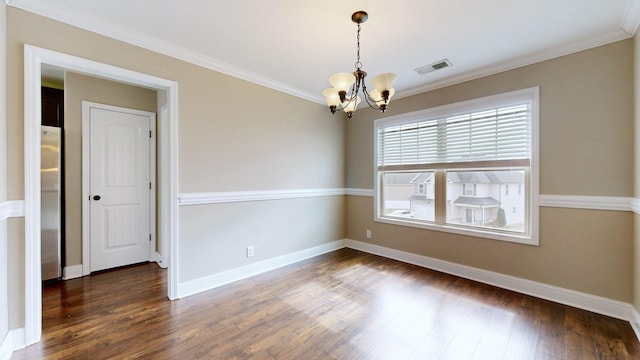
{"x":604,"y":39}
{"x":14,"y":340}
{"x":242,"y":196}
{"x":18,"y":338}
{"x":560,"y":295}
{"x":635,"y":205}
{"x":34,"y":57}
{"x":160,"y":260}
{"x":615,"y":203}
{"x":9,"y":209}
{"x":212,"y":281}
{"x":597,"y":304}
{"x":76,"y":18}
{"x":72,"y":272}
{"x":6,"y":347}
{"x":360,"y":192}
{"x":631,"y":18}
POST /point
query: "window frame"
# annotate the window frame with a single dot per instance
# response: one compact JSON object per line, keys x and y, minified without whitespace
{"x":531,"y":188}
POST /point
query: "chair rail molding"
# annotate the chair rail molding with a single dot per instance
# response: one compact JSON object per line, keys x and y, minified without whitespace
{"x":261,"y":195}
{"x":635,"y":205}
{"x":613,"y":203}
{"x":13,"y":208}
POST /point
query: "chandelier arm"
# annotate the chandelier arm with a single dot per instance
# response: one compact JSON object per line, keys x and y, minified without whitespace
{"x":356,"y":89}
{"x":352,"y":95}
{"x":374,"y":105}
{"x":367,"y":96}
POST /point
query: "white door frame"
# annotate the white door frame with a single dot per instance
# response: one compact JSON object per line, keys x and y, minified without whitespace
{"x":34,"y":57}
{"x":86,"y":176}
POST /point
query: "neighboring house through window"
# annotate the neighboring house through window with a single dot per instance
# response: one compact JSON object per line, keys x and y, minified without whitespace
{"x":455,"y":168}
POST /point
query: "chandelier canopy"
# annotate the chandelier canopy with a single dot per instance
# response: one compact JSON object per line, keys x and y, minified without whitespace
{"x":344,"y":93}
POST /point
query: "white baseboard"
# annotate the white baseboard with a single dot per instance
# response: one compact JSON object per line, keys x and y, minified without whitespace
{"x":6,"y":347}
{"x":72,"y":272}
{"x":15,"y":340}
{"x":600,"y":305}
{"x":212,"y":281}
{"x":160,"y":260}
{"x":18,"y":338}
{"x":597,"y":304}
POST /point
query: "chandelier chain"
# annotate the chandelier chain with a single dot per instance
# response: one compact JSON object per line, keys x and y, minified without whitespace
{"x":358,"y":64}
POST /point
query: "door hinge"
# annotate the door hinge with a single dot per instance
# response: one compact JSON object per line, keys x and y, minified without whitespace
{"x":149,"y":237}
{"x":149,"y":185}
{"x":149,"y":133}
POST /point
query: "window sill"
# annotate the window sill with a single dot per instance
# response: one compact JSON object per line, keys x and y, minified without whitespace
{"x":520,"y":239}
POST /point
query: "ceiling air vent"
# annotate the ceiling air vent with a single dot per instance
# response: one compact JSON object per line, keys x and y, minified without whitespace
{"x":438,"y":65}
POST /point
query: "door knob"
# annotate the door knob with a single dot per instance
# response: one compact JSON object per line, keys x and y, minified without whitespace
{"x":96,"y":197}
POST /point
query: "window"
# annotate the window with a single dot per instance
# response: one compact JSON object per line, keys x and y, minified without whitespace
{"x":464,"y":159}
{"x":469,"y":189}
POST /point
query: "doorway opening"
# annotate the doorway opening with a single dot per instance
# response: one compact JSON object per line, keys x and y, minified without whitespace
{"x":34,"y":58}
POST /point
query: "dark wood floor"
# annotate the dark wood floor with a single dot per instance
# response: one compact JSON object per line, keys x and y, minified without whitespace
{"x":342,"y":305}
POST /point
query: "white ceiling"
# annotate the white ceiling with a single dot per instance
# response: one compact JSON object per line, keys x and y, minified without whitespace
{"x":294,"y":46}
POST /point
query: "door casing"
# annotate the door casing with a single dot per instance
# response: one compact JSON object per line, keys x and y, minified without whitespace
{"x":34,"y":57}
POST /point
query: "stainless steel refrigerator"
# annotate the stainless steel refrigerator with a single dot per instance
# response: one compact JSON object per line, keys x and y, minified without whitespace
{"x":51,"y":200}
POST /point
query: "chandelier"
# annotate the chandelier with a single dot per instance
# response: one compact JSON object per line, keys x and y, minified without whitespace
{"x":347,"y":85}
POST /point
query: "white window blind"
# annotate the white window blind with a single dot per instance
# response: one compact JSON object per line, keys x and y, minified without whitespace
{"x":497,"y":134}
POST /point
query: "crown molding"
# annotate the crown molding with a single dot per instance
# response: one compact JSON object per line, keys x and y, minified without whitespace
{"x":91,"y":23}
{"x":631,"y":18}
{"x":517,"y":63}
{"x":628,"y":26}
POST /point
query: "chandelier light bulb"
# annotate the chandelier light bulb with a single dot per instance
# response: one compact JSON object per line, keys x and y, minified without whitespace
{"x":342,"y":81}
{"x":384,"y":81}
{"x":332,"y":97}
{"x":376,"y":95}
{"x":350,"y":107}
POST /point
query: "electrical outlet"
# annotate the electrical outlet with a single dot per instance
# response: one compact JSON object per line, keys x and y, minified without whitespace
{"x":368,"y":234}
{"x":250,"y":251}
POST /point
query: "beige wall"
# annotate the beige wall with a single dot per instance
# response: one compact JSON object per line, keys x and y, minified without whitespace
{"x":80,"y":88}
{"x":636,"y":192}
{"x":223,"y":231}
{"x":232,"y":136}
{"x":4,"y":314}
{"x":235,"y":136}
{"x":586,"y":148}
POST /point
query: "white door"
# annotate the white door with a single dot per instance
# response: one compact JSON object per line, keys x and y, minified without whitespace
{"x":119,"y":185}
